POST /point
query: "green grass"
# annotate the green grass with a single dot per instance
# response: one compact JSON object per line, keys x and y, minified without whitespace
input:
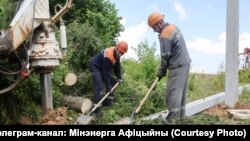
{"x":200,"y":86}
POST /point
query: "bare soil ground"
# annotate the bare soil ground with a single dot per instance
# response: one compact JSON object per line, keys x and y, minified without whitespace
{"x":55,"y":117}
{"x":221,"y":109}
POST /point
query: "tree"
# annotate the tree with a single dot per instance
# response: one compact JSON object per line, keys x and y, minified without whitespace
{"x":6,"y":12}
{"x":83,"y":45}
{"x":147,"y":64}
{"x":100,"y":14}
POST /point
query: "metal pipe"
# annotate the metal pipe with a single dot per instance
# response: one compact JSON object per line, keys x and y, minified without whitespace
{"x":63,"y":36}
{"x":46,"y":91}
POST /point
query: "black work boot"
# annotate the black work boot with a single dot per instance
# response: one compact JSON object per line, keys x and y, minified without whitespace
{"x":108,"y":101}
{"x":98,"y":111}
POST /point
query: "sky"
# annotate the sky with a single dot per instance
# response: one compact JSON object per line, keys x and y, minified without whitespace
{"x":202,"y":23}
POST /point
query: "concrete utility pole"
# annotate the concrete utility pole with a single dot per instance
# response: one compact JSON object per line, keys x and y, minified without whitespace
{"x":232,"y":49}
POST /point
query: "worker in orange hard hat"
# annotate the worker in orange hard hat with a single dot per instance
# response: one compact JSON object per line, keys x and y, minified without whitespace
{"x":101,"y":66}
{"x":174,"y":58}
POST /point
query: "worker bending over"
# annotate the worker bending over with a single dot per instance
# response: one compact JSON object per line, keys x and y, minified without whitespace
{"x":101,"y":67}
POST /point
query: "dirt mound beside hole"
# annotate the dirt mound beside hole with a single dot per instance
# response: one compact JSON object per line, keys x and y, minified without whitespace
{"x":55,"y":117}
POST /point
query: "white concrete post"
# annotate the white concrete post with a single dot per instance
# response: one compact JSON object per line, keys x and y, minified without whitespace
{"x":232,"y":49}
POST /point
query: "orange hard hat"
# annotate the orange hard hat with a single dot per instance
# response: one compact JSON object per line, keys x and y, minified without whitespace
{"x":122,"y":46}
{"x":154,"y":18}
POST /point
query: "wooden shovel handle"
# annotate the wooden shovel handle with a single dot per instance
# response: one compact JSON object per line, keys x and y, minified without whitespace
{"x":104,"y":98}
{"x":146,"y":96}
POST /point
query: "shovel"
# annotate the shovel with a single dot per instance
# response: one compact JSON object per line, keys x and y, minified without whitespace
{"x":128,"y":120}
{"x":85,"y":119}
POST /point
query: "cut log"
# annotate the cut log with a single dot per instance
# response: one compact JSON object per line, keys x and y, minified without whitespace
{"x":78,"y":104}
{"x":86,"y":105}
{"x":70,"y":79}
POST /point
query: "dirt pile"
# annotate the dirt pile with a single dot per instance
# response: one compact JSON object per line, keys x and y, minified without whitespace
{"x":55,"y":117}
{"x":221,"y":109}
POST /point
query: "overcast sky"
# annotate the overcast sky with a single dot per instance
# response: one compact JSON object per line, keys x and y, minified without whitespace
{"x":202,"y":22}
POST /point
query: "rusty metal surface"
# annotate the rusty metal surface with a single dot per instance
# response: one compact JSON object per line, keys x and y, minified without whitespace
{"x":45,"y":46}
{"x":30,"y":15}
{"x":24,"y":22}
{"x":59,"y":14}
{"x":45,"y":65}
{"x":45,"y":51}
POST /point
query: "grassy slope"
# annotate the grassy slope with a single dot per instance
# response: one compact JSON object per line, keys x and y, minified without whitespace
{"x":200,"y":86}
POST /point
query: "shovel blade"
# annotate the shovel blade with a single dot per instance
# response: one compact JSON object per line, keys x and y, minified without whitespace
{"x":84,"y":120}
{"x":133,"y":115}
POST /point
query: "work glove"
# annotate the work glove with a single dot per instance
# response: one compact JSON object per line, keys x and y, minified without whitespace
{"x":120,"y":80}
{"x":109,"y":90}
{"x":108,"y":101}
